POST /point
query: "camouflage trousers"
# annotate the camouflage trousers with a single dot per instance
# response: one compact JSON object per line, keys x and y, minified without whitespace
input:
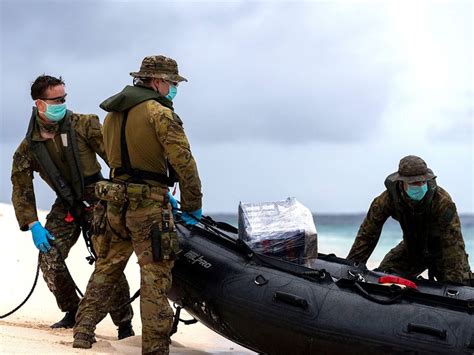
{"x":56,"y":274}
{"x":398,"y":261}
{"x":129,"y":230}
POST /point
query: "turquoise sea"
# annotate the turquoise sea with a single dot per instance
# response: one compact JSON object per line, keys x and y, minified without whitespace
{"x":336,"y":233}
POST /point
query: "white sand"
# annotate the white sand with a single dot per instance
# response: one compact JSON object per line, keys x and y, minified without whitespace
{"x":27,"y":330}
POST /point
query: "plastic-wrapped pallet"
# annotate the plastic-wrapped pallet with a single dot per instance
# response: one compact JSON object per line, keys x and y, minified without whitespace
{"x":283,"y":229}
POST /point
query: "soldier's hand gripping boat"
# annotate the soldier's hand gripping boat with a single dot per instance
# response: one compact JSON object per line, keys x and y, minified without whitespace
{"x":274,"y":306}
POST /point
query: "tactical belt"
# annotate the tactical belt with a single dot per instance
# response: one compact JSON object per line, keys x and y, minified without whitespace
{"x":88,"y":180}
{"x":142,"y":175}
{"x":118,"y":192}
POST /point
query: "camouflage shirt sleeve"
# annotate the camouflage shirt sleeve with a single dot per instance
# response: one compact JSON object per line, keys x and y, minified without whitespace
{"x":170,"y":132}
{"x":23,"y":196}
{"x":371,"y":228}
{"x":93,"y":133}
{"x":453,"y":264}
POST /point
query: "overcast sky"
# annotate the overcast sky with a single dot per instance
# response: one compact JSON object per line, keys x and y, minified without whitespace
{"x":317,"y":100}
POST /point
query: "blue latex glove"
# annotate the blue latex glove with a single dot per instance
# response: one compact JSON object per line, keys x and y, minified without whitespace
{"x":174,"y":204}
{"x":192,"y":218}
{"x":41,"y":236}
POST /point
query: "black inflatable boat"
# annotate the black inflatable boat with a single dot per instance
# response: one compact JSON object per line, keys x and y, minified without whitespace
{"x":276,"y":307}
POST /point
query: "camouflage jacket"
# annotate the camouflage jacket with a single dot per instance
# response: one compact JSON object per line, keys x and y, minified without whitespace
{"x":435,"y":234}
{"x":88,"y":135}
{"x":155,"y":137}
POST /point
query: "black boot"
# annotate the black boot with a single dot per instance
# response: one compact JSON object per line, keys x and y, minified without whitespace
{"x":125,"y":330}
{"x":68,"y":321}
{"x":83,"y":341}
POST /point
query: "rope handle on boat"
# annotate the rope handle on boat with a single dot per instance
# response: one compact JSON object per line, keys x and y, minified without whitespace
{"x":291,"y":299}
{"x":426,"y":329}
{"x":364,"y":293}
{"x":357,"y":280}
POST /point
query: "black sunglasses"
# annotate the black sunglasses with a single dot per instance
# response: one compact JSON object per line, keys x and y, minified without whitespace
{"x":59,"y":99}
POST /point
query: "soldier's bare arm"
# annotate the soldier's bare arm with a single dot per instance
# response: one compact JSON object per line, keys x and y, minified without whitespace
{"x":371,"y":228}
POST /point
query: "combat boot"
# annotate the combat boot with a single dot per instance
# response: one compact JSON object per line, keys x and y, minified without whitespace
{"x":125,"y":330}
{"x":68,"y":321}
{"x":83,"y":341}
{"x":164,"y":349}
{"x":158,"y":352}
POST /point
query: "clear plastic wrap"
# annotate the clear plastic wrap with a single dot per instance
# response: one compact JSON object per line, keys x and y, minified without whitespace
{"x":283,"y":229}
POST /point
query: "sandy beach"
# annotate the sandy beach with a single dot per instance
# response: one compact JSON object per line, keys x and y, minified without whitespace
{"x":28,"y":331}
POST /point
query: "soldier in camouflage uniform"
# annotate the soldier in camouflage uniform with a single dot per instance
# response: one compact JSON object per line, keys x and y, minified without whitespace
{"x":147,"y":151}
{"x":62,"y":147}
{"x":431,"y":228}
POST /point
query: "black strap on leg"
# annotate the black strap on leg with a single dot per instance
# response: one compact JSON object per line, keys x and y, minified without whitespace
{"x":133,"y":298}
{"x":87,"y":234}
{"x":174,"y":327}
{"x":176,"y":320}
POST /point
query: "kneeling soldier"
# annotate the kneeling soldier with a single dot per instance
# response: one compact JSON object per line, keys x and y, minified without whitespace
{"x":431,"y":228}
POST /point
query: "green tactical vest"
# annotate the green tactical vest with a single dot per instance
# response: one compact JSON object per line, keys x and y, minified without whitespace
{"x":422,"y":241}
{"x":129,"y":97}
{"x":67,"y":193}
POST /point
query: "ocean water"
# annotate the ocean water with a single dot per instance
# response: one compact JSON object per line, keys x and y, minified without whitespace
{"x":336,"y":233}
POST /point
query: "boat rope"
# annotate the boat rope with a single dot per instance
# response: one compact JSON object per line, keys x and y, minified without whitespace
{"x":210,"y":224}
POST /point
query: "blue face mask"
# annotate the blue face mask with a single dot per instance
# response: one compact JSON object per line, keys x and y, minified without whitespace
{"x":417,"y":192}
{"x":172,"y":92}
{"x":55,"y":113}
